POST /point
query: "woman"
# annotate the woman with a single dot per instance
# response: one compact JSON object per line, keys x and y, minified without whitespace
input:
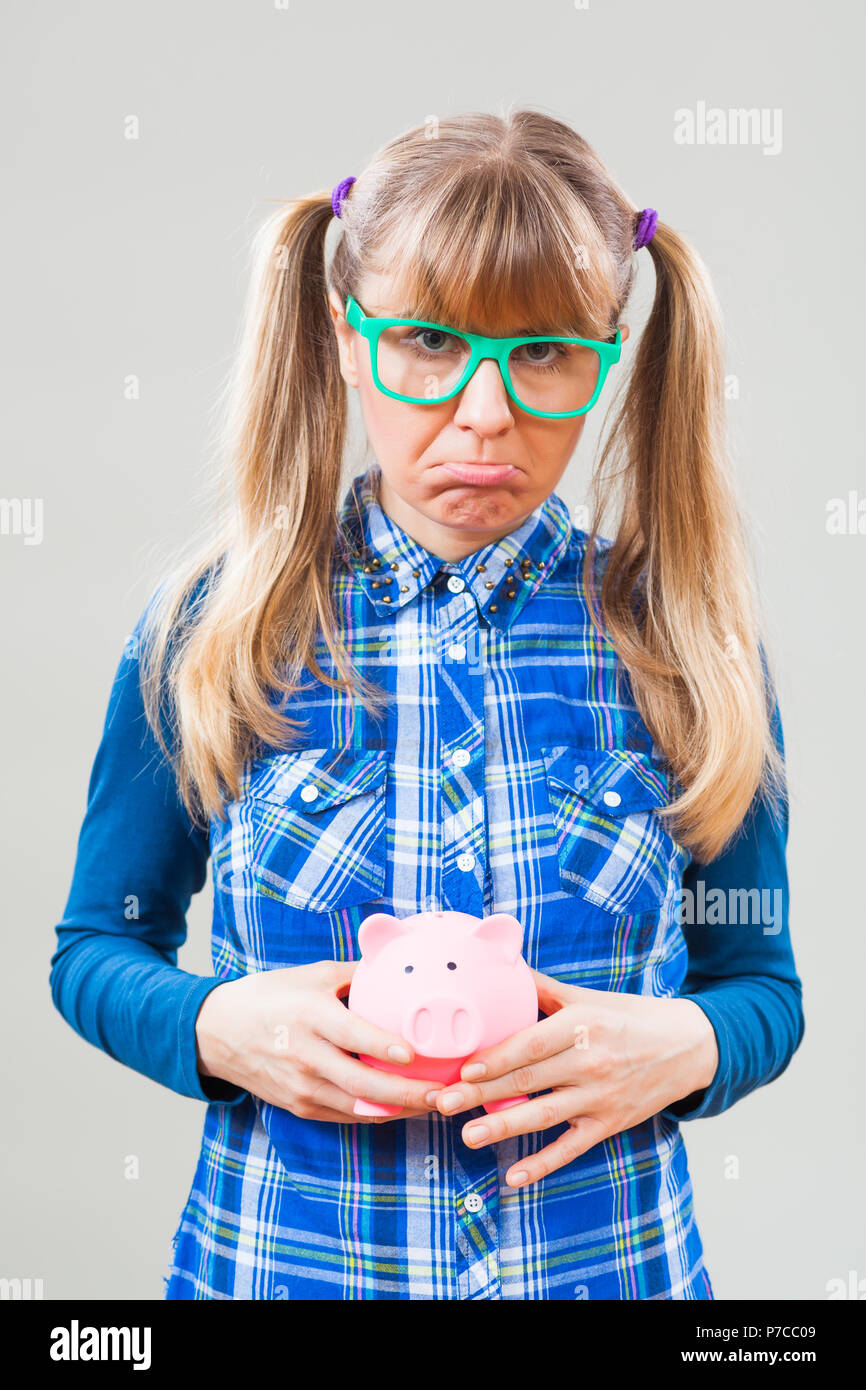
{"x":439,"y":692}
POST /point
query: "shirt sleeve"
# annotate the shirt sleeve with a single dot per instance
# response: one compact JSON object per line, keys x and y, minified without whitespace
{"x":114,"y":975}
{"x":741,"y":969}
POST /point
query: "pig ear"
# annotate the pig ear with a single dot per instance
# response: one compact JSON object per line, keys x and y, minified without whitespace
{"x":375,"y":932}
{"x":502,"y":931}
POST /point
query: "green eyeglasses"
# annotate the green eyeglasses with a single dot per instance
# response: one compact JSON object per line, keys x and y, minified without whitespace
{"x":562,"y":378}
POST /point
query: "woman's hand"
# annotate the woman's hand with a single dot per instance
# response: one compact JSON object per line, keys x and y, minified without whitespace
{"x":285,"y":1036}
{"x":610,"y":1061}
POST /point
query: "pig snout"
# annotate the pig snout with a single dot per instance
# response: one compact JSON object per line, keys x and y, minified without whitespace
{"x":443,"y":1027}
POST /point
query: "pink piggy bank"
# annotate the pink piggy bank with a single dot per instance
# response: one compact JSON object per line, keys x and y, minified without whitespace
{"x":448,"y":983}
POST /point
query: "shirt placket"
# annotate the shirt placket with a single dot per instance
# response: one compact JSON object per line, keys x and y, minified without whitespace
{"x":475,"y":1188}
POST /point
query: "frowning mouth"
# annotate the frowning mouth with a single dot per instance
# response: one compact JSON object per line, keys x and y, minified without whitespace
{"x":480,"y":474}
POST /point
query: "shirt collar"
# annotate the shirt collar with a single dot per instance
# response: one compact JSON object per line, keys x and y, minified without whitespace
{"x":393,"y":568}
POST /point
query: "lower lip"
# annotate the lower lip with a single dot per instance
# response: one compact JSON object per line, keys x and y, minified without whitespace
{"x":481,"y":473}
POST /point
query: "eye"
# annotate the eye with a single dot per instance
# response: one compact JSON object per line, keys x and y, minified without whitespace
{"x":432,"y":333}
{"x":408,"y":969}
{"x":452,"y":965}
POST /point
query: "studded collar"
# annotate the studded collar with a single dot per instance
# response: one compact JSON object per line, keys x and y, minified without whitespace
{"x":393,"y":568}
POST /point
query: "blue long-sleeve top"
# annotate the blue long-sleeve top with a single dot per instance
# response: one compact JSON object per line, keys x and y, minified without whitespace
{"x":114,"y":973}
{"x":512,"y":773}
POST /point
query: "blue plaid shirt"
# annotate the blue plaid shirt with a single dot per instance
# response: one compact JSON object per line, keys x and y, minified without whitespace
{"x":507,"y":775}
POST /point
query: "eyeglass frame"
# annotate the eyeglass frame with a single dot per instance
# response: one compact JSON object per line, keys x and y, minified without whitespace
{"x":481,"y":347}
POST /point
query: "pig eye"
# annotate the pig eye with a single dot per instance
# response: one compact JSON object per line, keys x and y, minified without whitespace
{"x":408,"y":969}
{"x":452,"y":965}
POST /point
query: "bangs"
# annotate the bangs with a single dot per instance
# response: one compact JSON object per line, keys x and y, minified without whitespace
{"x":503,"y":252}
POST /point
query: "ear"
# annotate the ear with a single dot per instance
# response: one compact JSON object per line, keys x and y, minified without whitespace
{"x":377,"y":931}
{"x":503,"y":932}
{"x":334,"y":305}
{"x":346,"y":337}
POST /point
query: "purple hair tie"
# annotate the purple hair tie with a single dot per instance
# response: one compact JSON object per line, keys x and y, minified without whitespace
{"x":338,"y":196}
{"x":646,"y":228}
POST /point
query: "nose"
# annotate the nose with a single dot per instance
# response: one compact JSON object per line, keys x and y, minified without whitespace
{"x":484,"y":401}
{"x":447,"y":1026}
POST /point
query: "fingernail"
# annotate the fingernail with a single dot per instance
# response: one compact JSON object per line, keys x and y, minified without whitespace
{"x":476,"y":1134}
{"x":517,"y":1178}
{"x":472,"y":1072}
{"x":452,"y":1100}
{"x":398,"y":1053}
{"x":431,"y":1097}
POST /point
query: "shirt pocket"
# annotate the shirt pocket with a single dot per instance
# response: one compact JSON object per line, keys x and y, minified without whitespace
{"x":315,"y":827}
{"x":611,"y":846}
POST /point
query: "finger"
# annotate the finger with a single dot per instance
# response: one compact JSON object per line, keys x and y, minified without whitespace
{"x":339,"y":1112}
{"x":541,"y":1113}
{"x":337,"y":1024}
{"x":329,"y":1102}
{"x":524,"y":1049}
{"x":553,"y":994}
{"x":340,"y":1117}
{"x":342,"y":1104}
{"x":584,"y":1131}
{"x":558,"y":1071}
{"x":357,"y":1078}
{"x":324,"y":1112}
{"x":340,"y":973}
{"x":549,"y":991}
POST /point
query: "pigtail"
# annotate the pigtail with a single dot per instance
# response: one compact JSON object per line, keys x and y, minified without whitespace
{"x":677,"y":595}
{"x":283,"y":437}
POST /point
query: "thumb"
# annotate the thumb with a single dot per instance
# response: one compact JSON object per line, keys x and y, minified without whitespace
{"x":552,"y":993}
{"x":342,"y":971}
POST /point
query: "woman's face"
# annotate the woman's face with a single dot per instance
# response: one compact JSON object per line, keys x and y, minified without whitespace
{"x":481,"y":424}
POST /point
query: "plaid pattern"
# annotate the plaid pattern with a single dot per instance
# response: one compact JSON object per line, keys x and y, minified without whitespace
{"x":610,"y":846}
{"x":507,"y":775}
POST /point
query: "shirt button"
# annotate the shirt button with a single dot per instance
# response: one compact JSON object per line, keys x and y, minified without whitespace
{"x":457,"y":651}
{"x":473,"y":1202}
{"x":465,"y":862}
{"x":612,"y":798}
{"x":308,"y":793}
{"x":460,"y":758}
{"x":456,"y":584}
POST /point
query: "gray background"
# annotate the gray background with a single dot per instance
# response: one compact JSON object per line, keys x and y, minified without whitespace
{"x":131,"y":257}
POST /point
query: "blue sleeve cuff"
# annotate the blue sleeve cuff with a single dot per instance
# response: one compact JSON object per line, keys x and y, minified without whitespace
{"x":713,"y":1098}
{"x":759,"y":1024}
{"x":207,"y":1088}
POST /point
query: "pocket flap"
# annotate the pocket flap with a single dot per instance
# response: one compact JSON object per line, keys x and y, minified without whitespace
{"x":618,"y":781}
{"x":314,"y":779}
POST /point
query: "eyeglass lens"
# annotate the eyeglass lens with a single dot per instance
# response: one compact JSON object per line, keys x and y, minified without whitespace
{"x":427,"y":363}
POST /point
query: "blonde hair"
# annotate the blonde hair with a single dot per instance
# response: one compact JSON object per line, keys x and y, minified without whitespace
{"x":498,"y":219}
